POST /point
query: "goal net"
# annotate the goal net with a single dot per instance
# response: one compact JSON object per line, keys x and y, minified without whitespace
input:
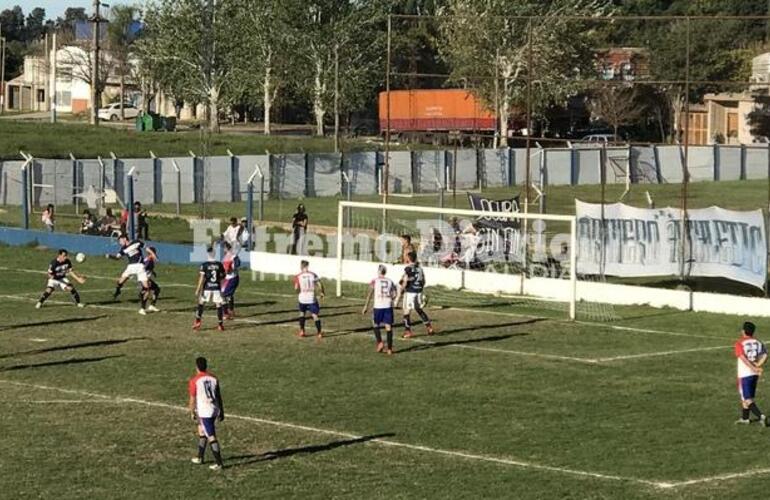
{"x":492,"y":256}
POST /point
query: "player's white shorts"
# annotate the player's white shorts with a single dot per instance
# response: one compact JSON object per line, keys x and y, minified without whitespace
{"x":135,"y":270}
{"x":63,"y":283}
{"x":209,"y":296}
{"x":413,"y":300}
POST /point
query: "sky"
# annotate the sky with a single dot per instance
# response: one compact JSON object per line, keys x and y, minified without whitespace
{"x":53,"y":8}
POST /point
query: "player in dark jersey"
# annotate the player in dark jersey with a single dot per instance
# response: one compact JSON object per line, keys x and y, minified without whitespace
{"x":210,"y":276}
{"x":149,"y":261}
{"x":132,"y":250}
{"x":412,"y":285}
{"x":58,"y":270}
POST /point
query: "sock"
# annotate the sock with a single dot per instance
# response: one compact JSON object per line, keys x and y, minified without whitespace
{"x":155,"y":292}
{"x":231,"y":304}
{"x":202,"y":446}
{"x":46,"y":294}
{"x":302,"y":323}
{"x":220,"y":314}
{"x":217,"y":452}
{"x":143,"y":297}
{"x":377,"y":335}
{"x":745,"y":413}
{"x":318,"y":325}
{"x":389,"y":335}
{"x":75,"y":296}
{"x":117,"y":289}
{"x":753,"y":408}
{"x":407,"y":323}
{"x":199,"y":312}
{"x":424,"y":317}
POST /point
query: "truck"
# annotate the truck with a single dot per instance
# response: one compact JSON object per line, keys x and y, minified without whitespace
{"x":434,"y":114}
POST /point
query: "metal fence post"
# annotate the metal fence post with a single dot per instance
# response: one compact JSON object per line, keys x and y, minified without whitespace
{"x":178,"y":187}
{"x":24,"y":196}
{"x":75,"y":184}
{"x":261,"y":208}
{"x":250,"y":209}
{"x":348,"y":196}
{"x":130,"y":203}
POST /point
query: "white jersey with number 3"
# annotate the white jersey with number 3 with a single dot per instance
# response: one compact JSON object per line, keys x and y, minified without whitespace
{"x":306,"y":282}
{"x":384,"y":292}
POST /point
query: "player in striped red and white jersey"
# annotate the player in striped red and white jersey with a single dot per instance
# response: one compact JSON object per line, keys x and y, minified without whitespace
{"x":205,"y":405}
{"x":309,"y":288}
{"x":752,"y":355}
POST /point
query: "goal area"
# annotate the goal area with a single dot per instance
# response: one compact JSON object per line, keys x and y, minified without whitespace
{"x":496,"y":250}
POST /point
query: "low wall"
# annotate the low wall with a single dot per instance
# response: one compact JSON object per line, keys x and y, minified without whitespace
{"x":546,"y":288}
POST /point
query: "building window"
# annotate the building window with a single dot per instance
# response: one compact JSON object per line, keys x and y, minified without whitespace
{"x":64,"y":98}
{"x":698,"y":133}
{"x":40,"y":95}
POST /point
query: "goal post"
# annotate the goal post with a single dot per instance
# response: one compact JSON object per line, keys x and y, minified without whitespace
{"x":514,"y":248}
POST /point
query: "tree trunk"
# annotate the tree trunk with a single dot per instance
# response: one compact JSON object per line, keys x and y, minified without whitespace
{"x":213,"y":110}
{"x":505,"y":110}
{"x":122,"y":96}
{"x":319,"y":110}
{"x":268,"y":97}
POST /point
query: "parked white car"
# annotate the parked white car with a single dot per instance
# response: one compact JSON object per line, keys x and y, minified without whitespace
{"x":112,"y":112}
{"x":600,"y":139}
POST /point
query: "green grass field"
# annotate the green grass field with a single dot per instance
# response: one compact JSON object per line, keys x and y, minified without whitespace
{"x":509,"y":400}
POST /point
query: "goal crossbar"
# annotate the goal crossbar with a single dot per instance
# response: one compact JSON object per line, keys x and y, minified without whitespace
{"x":571,"y":219}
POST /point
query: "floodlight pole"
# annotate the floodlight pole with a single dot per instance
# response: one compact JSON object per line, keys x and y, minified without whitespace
{"x":52,"y":85}
{"x":130,"y":202}
{"x":95,"y":94}
{"x":683,"y":236}
{"x":527,"y":179}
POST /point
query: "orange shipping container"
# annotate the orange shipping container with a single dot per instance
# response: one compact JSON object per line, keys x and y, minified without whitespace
{"x":434,"y":109}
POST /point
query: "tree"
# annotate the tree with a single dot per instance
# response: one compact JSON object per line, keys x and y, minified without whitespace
{"x":35,"y":26}
{"x":121,"y":35}
{"x":759,"y":118}
{"x":191,"y":46}
{"x":617,"y":106}
{"x":490,"y":53}
{"x":349,"y":31}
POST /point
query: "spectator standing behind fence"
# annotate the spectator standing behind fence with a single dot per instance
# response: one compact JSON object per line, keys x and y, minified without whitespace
{"x":88,"y":223}
{"x":244,"y":233}
{"x":298,"y":227}
{"x":49,"y":218}
{"x":109,"y":223}
{"x":140,"y":222}
{"x":406,"y":248}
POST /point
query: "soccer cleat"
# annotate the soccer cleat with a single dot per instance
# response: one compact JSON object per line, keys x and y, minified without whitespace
{"x":142,"y":312}
{"x":197,"y":461}
{"x":319,"y":336}
{"x":38,"y":305}
{"x":407,"y":334}
{"x":743,"y":421}
{"x":81,"y":305}
{"x":115,"y":295}
{"x":380,"y":346}
{"x":196,"y":324}
{"x":763,"y":421}
{"x":431,"y":331}
{"x":215,"y":467}
{"x":390,"y":352}
{"x":153,"y":309}
{"x":230,"y":316}
{"x":221,"y":328}
{"x":301,"y":333}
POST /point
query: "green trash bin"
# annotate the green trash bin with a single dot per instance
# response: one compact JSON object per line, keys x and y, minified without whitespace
{"x":147,"y":122}
{"x":140,"y":122}
{"x":169,"y":123}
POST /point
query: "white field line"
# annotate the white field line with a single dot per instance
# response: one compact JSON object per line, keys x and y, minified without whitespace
{"x":60,"y":401}
{"x":34,"y":339}
{"x":348,"y":435}
{"x":662,"y":353}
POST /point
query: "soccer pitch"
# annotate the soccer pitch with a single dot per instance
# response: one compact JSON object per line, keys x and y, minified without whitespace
{"x":509,"y":400}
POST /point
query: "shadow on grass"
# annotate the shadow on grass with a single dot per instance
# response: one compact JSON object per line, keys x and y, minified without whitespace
{"x":286,"y":311}
{"x":98,"y":343}
{"x":449,"y":343}
{"x":295,"y":318}
{"x":244,"y":460}
{"x":51,"y":322}
{"x":473,"y":328}
{"x":64,"y":362}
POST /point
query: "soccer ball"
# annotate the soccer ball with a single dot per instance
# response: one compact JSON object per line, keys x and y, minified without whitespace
{"x":80,"y":257}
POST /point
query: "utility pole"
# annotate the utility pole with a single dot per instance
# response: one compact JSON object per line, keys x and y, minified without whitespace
{"x":95,"y":94}
{"x":2,"y":69}
{"x":336,"y":97}
{"x":54,"y":101}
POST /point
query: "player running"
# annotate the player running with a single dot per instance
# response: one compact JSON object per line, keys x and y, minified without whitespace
{"x":307,"y":283}
{"x":384,"y":291}
{"x":231,"y":263}
{"x":209,"y":289}
{"x":149,"y":268}
{"x":132,"y":251}
{"x":205,"y":405}
{"x":412,"y":285}
{"x":58,"y":270}
{"x":752,"y":355}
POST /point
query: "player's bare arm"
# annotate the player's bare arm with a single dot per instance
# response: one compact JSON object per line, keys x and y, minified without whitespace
{"x":220,"y":404}
{"x":366,"y":302}
{"x":322,"y":290}
{"x":756,"y":369}
{"x":191,"y":406}
{"x":79,"y":278}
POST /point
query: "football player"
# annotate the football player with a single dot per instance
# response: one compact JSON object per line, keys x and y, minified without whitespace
{"x":307,"y":284}
{"x":231,"y":263}
{"x":752,"y":355}
{"x":150,"y":260}
{"x":411,"y":287}
{"x":205,"y":405}
{"x":209,"y":289}
{"x":58,"y":270}
{"x":132,"y":251}
{"x":384,"y":291}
